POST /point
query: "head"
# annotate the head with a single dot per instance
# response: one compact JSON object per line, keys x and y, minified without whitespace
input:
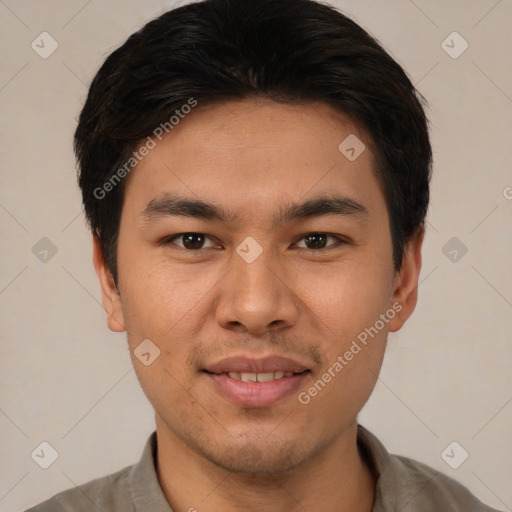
{"x":293,"y":153}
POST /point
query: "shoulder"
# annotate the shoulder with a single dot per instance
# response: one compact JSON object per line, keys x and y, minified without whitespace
{"x":423,"y":489}
{"x":109,"y":493}
{"x":410,"y":486}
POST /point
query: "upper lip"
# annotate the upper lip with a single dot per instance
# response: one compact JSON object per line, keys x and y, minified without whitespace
{"x":247,"y":364}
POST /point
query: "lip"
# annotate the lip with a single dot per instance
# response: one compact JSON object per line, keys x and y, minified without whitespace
{"x":251,"y":365}
{"x":255,"y":394}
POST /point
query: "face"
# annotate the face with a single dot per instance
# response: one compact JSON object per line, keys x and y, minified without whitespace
{"x":276,"y":278}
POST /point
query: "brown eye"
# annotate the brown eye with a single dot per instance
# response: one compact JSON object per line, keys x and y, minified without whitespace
{"x":318,"y":241}
{"x":193,"y":240}
{"x":189,"y":241}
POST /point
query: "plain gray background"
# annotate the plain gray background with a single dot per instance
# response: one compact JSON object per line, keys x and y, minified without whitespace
{"x":67,"y":380}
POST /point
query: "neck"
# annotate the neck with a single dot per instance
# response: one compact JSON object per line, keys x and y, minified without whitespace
{"x":335,"y":478}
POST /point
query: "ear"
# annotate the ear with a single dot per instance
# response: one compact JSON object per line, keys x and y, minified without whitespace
{"x":405,"y":286}
{"x":109,"y":294}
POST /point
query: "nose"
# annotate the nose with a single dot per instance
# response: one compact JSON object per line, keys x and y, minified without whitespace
{"x":257,"y":297}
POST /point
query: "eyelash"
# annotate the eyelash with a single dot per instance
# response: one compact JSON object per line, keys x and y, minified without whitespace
{"x":170,"y":239}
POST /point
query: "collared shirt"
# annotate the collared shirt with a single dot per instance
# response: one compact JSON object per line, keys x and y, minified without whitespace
{"x":403,"y":485}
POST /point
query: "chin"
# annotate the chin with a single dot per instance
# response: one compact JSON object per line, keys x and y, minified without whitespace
{"x":258,"y":458}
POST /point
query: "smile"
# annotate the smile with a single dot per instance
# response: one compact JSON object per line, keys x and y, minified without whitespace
{"x":259,"y":377}
{"x":256,"y":390}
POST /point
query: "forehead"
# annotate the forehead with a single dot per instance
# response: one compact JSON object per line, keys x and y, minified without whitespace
{"x":254,"y":152}
{"x":268,"y":125}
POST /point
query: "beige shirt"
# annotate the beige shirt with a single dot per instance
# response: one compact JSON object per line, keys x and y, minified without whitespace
{"x":403,"y":485}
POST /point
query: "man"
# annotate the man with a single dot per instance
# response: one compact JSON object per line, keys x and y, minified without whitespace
{"x":256,"y":178}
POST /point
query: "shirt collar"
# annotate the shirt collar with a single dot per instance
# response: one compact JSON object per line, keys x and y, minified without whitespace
{"x":147,"y":495}
{"x":380,"y":464}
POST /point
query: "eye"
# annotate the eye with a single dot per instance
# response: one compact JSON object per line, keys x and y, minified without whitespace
{"x":191,"y":241}
{"x":318,"y":241}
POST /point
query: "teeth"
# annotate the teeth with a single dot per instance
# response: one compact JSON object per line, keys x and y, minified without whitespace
{"x":265,"y":377}
{"x":259,"y":377}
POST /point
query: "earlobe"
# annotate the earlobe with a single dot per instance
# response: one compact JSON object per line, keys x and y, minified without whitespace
{"x":405,"y":287}
{"x":109,"y":293}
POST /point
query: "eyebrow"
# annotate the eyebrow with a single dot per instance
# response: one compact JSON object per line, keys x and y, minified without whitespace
{"x":171,"y":205}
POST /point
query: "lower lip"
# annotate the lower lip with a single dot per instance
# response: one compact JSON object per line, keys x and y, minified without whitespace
{"x":256,"y":394}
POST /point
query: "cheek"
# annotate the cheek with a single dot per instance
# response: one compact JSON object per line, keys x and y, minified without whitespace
{"x":349,"y":389}
{"x":159,"y":299}
{"x":348,"y":306}
{"x":167,"y":390}
{"x":167,"y":307}
{"x":346,"y":298}
{"x":353,"y":336}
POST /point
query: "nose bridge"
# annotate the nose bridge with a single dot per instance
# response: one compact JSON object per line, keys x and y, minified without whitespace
{"x":254,"y":294}
{"x":255,"y":266}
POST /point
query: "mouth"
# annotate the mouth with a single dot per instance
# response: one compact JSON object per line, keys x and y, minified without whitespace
{"x":256,"y":383}
{"x":257,"y":377}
